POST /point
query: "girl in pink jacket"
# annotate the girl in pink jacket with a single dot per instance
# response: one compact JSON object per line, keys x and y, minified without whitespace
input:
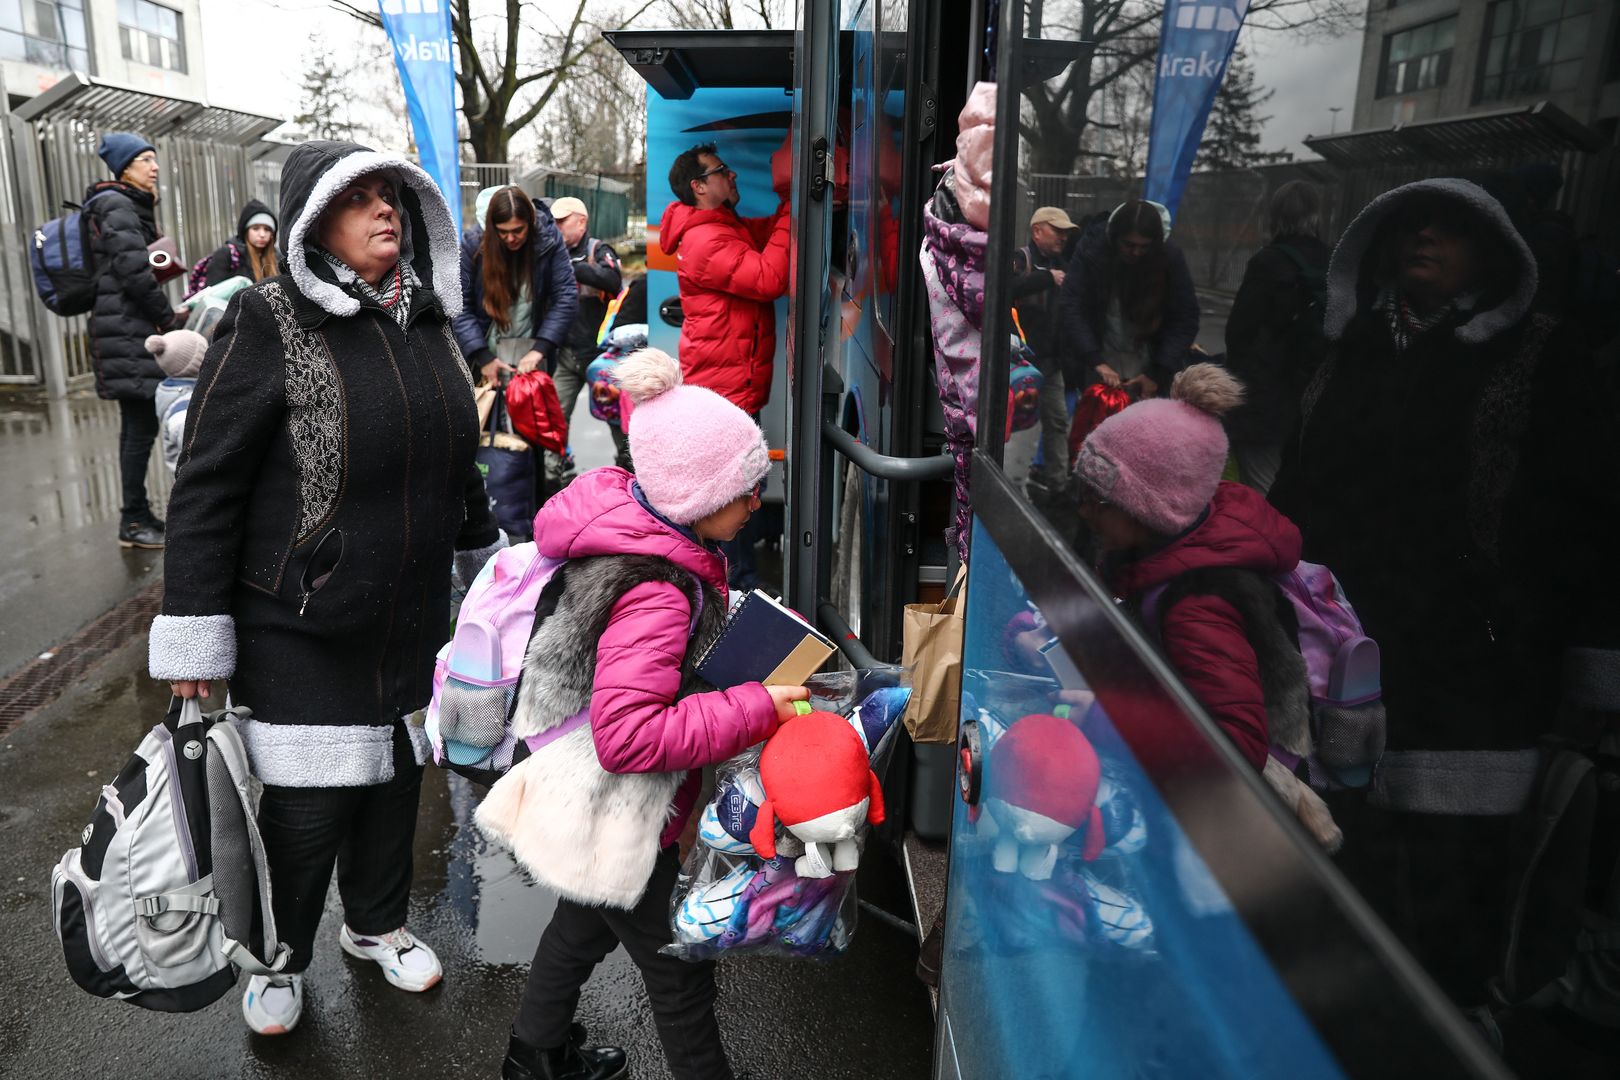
{"x":594,"y":814}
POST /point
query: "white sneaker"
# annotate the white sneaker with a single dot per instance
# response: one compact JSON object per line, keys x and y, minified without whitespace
{"x":273,"y":1010}
{"x":406,"y":960}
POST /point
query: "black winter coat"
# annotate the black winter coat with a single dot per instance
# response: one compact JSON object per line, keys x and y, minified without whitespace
{"x":130,"y":306}
{"x":326,"y":481}
{"x":596,"y":272}
{"x":1463,"y":492}
{"x":1035,"y":295}
{"x":1084,"y":311}
{"x":1269,"y":344}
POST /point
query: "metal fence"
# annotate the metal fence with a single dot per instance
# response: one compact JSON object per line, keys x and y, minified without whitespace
{"x":606,"y":200}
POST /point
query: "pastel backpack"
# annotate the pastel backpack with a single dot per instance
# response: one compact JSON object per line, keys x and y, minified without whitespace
{"x":477,"y":673}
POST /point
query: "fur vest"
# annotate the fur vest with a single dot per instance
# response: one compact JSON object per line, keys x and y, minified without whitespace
{"x":588,"y":834}
{"x":1272,"y":630}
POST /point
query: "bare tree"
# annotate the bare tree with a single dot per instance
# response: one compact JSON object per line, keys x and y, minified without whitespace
{"x":326,"y":101}
{"x":1113,"y":39}
{"x":729,"y":14}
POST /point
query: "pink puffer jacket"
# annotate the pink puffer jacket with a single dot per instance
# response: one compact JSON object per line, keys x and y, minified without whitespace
{"x":637,"y":724}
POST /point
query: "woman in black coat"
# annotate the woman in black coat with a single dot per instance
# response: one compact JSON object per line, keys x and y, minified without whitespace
{"x":326,"y":488}
{"x":1274,"y":341}
{"x":129,"y":307}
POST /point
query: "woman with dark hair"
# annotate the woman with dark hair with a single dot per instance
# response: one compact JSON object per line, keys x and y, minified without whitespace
{"x":1128,"y":307}
{"x":327,"y":486}
{"x":517,"y":285}
{"x":1454,"y":467}
{"x":1274,"y":341}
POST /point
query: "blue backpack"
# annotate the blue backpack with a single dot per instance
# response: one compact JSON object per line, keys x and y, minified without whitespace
{"x":62,"y":261}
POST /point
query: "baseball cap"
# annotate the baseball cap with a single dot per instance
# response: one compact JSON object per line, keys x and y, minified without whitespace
{"x":567,"y":206}
{"x":1049,"y":215}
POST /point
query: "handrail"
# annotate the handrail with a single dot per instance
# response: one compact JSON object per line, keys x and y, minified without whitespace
{"x":833,"y":624}
{"x":911,"y":469}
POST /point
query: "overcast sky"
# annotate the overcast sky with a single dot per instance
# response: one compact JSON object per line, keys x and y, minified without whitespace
{"x":1308,"y":77}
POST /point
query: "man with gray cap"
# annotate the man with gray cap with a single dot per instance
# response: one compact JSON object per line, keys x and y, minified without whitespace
{"x":597,"y":277}
{"x":1037,"y":277}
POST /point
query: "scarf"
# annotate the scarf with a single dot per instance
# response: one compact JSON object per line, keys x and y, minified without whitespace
{"x":1406,"y":325}
{"x":393,"y":297}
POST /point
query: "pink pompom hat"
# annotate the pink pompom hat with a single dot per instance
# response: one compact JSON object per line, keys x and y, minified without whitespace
{"x":694,"y":450}
{"x":1161,"y":460}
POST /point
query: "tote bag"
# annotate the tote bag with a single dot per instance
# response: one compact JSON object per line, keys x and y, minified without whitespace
{"x":932,"y":648}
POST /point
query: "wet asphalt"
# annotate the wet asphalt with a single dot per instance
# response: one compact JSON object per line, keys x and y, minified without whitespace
{"x":863,"y":1015}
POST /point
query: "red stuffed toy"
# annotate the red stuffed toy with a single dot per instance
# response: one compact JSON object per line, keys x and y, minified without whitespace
{"x":819,"y":783}
{"x":1041,"y":789}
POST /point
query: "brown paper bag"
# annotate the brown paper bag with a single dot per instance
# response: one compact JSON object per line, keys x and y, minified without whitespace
{"x":932,"y":648}
{"x":484,"y":398}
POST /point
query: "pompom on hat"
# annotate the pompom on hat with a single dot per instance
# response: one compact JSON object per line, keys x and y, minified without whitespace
{"x":694,"y":450}
{"x":1161,"y":460}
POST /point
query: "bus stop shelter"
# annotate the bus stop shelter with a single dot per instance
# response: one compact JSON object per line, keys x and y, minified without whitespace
{"x":48,"y":157}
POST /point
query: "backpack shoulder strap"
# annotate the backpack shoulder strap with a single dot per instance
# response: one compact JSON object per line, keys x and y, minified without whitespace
{"x":232,"y":804}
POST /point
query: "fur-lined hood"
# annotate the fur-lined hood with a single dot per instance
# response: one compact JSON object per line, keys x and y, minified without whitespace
{"x":1350,"y":286}
{"x":316,"y":173}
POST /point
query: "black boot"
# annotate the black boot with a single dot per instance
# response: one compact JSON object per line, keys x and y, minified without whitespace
{"x":567,"y":1062}
{"x":138,"y":534}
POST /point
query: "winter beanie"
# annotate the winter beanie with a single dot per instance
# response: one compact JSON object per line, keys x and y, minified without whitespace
{"x":119,"y":148}
{"x":694,"y":450}
{"x":179,"y":352}
{"x":263,"y":218}
{"x":1161,"y":460}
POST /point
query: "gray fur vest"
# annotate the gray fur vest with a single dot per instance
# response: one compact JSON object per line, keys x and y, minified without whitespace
{"x":588,"y":834}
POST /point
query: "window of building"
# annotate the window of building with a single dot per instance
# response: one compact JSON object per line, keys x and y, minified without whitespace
{"x":151,"y":34}
{"x":1418,"y":58}
{"x":1534,"y":47}
{"x":49,"y":33}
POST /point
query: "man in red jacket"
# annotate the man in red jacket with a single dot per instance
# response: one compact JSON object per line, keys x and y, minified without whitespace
{"x":731,"y":269}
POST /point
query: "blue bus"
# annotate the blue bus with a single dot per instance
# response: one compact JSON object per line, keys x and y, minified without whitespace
{"x":1209,"y":935}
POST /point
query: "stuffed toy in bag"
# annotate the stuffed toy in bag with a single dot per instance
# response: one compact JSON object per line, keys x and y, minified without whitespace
{"x":819,"y":784}
{"x":1041,"y":789}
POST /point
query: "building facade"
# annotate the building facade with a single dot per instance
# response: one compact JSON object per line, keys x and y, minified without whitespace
{"x":150,"y":45}
{"x":1441,"y":59}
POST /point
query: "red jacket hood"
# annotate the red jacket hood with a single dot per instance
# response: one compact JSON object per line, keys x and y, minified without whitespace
{"x":599,"y":514}
{"x":1242,"y":530}
{"x":680,"y":219}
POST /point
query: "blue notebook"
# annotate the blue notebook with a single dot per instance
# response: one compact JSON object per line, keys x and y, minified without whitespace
{"x":764,"y":642}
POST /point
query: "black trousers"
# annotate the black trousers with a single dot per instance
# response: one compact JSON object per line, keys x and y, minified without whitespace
{"x":367,"y":831}
{"x":135,"y":438}
{"x":682,"y":993}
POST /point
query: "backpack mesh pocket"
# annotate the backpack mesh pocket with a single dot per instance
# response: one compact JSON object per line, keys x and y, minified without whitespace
{"x":473,"y":715}
{"x":1349,"y":740}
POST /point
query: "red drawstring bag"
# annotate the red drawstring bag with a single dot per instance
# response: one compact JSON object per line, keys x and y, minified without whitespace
{"x":536,"y":411}
{"x":1097,"y":403}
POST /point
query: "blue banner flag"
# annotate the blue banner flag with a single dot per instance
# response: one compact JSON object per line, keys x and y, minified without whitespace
{"x":1194,"y":46}
{"x":419,"y":31}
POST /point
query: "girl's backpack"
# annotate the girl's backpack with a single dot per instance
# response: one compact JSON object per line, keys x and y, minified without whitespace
{"x":1342,"y":668}
{"x":477,"y":673}
{"x":168,"y":895}
{"x":197,"y":280}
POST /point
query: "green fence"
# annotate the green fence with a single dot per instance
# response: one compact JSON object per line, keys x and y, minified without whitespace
{"x":606,"y":199}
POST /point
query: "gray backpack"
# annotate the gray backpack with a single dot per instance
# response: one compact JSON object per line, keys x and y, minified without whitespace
{"x":169,"y":894}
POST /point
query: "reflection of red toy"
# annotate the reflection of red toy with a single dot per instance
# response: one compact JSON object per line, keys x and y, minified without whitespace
{"x":1097,"y":403}
{"x":536,"y":411}
{"x":1041,"y":788}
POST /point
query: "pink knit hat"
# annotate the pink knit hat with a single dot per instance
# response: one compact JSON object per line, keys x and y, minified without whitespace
{"x":1161,"y":460}
{"x":694,"y":450}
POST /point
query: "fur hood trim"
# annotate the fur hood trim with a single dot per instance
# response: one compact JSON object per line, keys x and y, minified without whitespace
{"x":1344,"y":278}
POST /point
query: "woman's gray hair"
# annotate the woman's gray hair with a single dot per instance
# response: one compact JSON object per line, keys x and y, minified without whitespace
{"x":1295,"y":210}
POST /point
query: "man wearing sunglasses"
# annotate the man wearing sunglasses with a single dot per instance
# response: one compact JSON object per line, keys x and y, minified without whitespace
{"x":731,"y":269}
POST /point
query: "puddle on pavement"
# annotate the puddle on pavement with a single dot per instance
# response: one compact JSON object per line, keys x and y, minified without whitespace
{"x":494,"y":898}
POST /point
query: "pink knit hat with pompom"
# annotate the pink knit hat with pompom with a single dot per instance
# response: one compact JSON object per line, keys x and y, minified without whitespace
{"x":1161,"y":460}
{"x":694,"y":450}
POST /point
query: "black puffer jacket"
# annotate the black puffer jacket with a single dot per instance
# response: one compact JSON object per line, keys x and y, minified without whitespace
{"x":130,"y":305}
{"x":327,"y":480}
{"x":1270,"y":342}
{"x":235,"y":250}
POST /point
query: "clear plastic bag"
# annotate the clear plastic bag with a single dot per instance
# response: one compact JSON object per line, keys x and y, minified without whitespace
{"x":729,"y":899}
